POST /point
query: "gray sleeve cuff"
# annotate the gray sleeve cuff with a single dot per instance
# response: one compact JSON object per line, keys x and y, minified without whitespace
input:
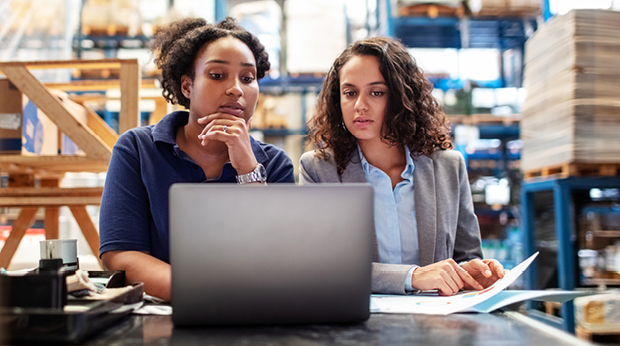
{"x":389,"y":278}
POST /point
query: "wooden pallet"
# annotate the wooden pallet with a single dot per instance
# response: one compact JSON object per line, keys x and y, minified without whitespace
{"x":431,"y":10}
{"x":107,"y":30}
{"x":524,"y":12}
{"x":104,"y":73}
{"x":308,"y":75}
{"x":566,"y":170}
{"x":605,"y":336}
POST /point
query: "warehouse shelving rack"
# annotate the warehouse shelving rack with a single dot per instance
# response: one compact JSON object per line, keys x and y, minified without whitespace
{"x":503,"y":33}
{"x":568,"y":196}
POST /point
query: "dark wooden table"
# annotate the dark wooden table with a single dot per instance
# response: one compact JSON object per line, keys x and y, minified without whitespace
{"x":499,"y":328}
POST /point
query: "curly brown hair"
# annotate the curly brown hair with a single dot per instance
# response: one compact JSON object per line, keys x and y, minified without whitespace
{"x":176,"y":47}
{"x":413,"y":116}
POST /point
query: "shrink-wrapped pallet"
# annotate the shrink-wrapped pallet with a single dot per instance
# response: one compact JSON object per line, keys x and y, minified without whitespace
{"x":572,"y":74}
{"x":598,"y":312}
{"x":316,"y":34}
{"x":111,"y":17}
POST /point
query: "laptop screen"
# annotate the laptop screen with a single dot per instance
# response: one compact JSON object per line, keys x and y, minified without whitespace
{"x":270,"y":254}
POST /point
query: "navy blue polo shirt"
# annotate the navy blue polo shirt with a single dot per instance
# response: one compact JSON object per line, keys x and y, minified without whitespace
{"x":145,"y":162}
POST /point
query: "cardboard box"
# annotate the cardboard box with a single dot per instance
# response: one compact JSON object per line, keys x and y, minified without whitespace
{"x":67,"y":146}
{"x":10,"y":118}
{"x":39,"y":133}
{"x":26,"y":130}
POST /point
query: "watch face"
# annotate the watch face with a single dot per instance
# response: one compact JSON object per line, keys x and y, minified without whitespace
{"x":262,"y":172}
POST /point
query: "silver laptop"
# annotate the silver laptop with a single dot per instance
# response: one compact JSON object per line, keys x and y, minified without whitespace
{"x":277,"y":254}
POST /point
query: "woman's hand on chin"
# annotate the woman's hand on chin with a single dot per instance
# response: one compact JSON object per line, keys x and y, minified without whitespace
{"x":235,"y":133}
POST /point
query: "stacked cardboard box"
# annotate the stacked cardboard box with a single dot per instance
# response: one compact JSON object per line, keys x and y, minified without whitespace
{"x":10,"y":118}
{"x":519,"y":8}
{"x":572,"y":76}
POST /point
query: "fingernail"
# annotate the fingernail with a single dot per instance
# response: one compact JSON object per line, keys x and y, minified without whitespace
{"x":487,"y":273}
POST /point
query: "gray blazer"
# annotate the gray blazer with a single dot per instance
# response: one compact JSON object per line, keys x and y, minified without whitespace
{"x":447,"y":225}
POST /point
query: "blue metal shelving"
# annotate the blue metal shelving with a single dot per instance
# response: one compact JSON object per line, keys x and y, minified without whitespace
{"x":290,"y":83}
{"x":563,"y":190}
{"x":503,"y":33}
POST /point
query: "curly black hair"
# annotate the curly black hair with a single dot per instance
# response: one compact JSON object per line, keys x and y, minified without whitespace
{"x":413,"y":116}
{"x":176,"y":47}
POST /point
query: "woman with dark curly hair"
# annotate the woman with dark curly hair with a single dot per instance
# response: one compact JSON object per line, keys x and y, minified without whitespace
{"x":213,"y":71}
{"x":377,"y":122}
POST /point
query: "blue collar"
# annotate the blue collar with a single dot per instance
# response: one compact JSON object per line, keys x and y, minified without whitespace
{"x":407,"y":173}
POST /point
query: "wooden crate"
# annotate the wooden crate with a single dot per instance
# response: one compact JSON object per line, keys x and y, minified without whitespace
{"x":94,"y":137}
{"x":84,"y":127}
{"x":572,"y":112}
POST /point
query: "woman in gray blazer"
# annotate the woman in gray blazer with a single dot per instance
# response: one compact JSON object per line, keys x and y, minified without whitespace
{"x":377,"y":122}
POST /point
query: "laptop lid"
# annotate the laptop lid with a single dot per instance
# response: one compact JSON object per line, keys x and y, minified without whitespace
{"x":274,"y":254}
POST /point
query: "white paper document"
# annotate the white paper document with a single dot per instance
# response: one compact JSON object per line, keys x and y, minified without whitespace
{"x":485,"y":300}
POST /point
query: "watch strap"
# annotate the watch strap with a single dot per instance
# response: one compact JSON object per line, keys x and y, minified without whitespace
{"x":257,"y":175}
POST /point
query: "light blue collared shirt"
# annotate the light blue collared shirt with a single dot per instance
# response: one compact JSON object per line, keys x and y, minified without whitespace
{"x":395,"y":223}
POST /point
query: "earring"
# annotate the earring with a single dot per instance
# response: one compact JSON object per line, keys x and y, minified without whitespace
{"x":344,"y":126}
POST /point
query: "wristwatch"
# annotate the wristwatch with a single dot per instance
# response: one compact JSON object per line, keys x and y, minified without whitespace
{"x":259,"y":174}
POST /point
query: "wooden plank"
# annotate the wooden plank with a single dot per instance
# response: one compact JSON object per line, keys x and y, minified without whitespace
{"x":606,"y":233}
{"x":161,"y":109}
{"x":608,"y":170}
{"x":51,"y":222}
{"x":572,"y":169}
{"x":24,"y":220}
{"x":60,"y":163}
{"x":88,"y":228}
{"x":100,"y":127}
{"x":53,"y":108}
{"x":11,"y":167}
{"x":52,"y":191}
{"x":100,"y":85}
{"x":601,"y":281}
{"x":77,"y":64}
{"x":44,"y":201}
{"x":129,"y":116}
